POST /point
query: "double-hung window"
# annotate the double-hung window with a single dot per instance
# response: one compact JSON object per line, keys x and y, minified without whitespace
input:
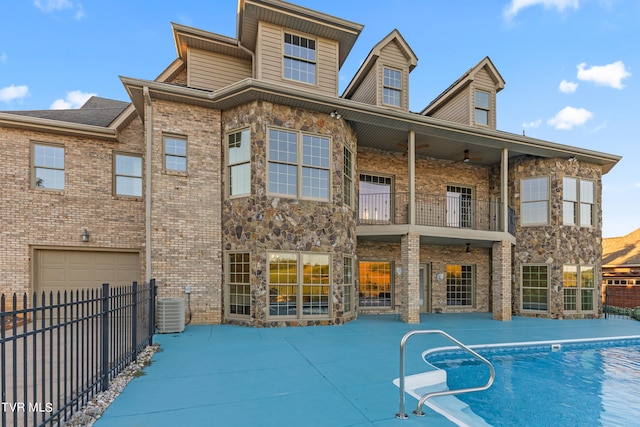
{"x":48,"y":166}
{"x":347,"y":274}
{"x":298,"y":165}
{"x":299,"y":58}
{"x":579,"y":285}
{"x":534,"y":201}
{"x":239,"y":279}
{"x":578,"y":201}
{"x":482,"y":107}
{"x":239,"y":162}
{"x":347,"y":177}
{"x":127,"y":175}
{"x":175,"y":153}
{"x":392,"y":87}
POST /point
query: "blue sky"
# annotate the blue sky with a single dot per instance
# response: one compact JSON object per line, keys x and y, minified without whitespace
{"x":571,"y":67}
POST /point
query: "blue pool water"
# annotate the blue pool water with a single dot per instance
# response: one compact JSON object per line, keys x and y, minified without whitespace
{"x":583,"y":384}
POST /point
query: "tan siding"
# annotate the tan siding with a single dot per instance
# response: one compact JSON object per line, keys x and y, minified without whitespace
{"x":391,"y":56}
{"x":483,"y":81}
{"x":269,"y":60}
{"x":457,"y":109}
{"x":366,"y":92}
{"x":212,"y":71}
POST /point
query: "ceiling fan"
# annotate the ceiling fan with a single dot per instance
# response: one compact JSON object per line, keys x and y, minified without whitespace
{"x":467,"y":158}
{"x":403,"y":145}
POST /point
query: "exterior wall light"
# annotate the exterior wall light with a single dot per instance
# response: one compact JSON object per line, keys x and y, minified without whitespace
{"x":468,"y":250}
{"x":572,"y":159}
{"x":85,"y":235}
{"x":335,"y":114}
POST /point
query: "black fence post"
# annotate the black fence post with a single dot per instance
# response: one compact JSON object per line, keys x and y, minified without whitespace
{"x":134,"y":322}
{"x":105,"y":336}
{"x":152,"y":309}
{"x":606,"y":302}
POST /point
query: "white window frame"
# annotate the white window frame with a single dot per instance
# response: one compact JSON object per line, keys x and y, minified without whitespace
{"x":240,"y":164}
{"x":347,"y":178}
{"x":51,"y":164}
{"x":299,"y":166}
{"x":391,"y":85}
{"x":295,"y":56}
{"x":529,"y":198}
{"x":348,"y":283}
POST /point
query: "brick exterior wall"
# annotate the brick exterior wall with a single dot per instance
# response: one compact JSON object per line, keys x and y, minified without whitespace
{"x":185,"y":222}
{"x":39,"y":218}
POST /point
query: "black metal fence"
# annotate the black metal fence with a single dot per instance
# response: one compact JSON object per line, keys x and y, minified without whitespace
{"x":622,"y":301}
{"x":59,"y":350}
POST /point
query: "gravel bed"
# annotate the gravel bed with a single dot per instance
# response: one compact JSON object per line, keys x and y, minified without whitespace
{"x":86,"y":416}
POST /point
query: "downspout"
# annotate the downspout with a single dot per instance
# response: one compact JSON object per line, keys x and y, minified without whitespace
{"x":147,"y":199}
{"x":253,"y":59}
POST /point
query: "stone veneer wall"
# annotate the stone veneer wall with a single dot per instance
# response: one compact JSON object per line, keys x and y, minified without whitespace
{"x":260,"y":223}
{"x":185,"y":216}
{"x":555,"y":244}
{"x":56,"y":219}
{"x":437,"y":257}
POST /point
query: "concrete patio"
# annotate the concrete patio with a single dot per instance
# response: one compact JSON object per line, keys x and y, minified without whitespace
{"x":311,"y":376}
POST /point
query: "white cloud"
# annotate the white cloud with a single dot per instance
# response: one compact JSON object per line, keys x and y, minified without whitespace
{"x":533,"y":124}
{"x":74,"y":99}
{"x":9,"y":93}
{"x":569,"y":117}
{"x":604,"y":75}
{"x":3,"y":58}
{"x":50,"y":5}
{"x":568,"y":87}
{"x":515,"y":6}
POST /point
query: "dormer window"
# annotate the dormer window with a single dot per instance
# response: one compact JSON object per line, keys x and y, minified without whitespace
{"x":482,"y":107}
{"x":392,"y":84}
{"x":299,"y":58}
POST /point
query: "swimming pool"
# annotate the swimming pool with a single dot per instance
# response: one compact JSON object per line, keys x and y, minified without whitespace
{"x":577,"y":383}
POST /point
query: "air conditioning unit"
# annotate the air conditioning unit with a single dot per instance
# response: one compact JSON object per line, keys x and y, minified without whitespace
{"x":170,"y":315}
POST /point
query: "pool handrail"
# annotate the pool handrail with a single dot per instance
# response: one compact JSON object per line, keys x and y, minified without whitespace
{"x":418,"y":411}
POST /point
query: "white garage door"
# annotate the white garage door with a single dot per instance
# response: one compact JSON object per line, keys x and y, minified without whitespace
{"x":68,"y":270}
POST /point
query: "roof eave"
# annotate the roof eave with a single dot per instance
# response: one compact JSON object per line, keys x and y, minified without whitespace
{"x":57,"y":126}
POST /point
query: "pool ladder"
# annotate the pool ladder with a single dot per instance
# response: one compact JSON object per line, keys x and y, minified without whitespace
{"x":418,"y":411}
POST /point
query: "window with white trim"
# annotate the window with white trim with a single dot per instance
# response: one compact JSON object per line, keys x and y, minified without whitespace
{"x":482,"y":107}
{"x":535,"y":288}
{"x":127,"y":175}
{"x":299,"y":58}
{"x":579,"y":288}
{"x":175,"y":153}
{"x":534,"y":201}
{"x":392,"y":87}
{"x":239,"y":162}
{"x":298,"y":165}
{"x":48,"y":166}
{"x":299,"y":284}
{"x":578,"y":202}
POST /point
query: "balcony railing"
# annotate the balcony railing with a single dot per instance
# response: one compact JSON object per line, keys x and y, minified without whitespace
{"x":459,"y":211}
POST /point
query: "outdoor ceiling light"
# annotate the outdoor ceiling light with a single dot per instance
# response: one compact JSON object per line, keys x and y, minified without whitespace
{"x":335,"y":114}
{"x":85,"y":235}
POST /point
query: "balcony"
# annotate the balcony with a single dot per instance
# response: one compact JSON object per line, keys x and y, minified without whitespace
{"x":452,"y":211}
